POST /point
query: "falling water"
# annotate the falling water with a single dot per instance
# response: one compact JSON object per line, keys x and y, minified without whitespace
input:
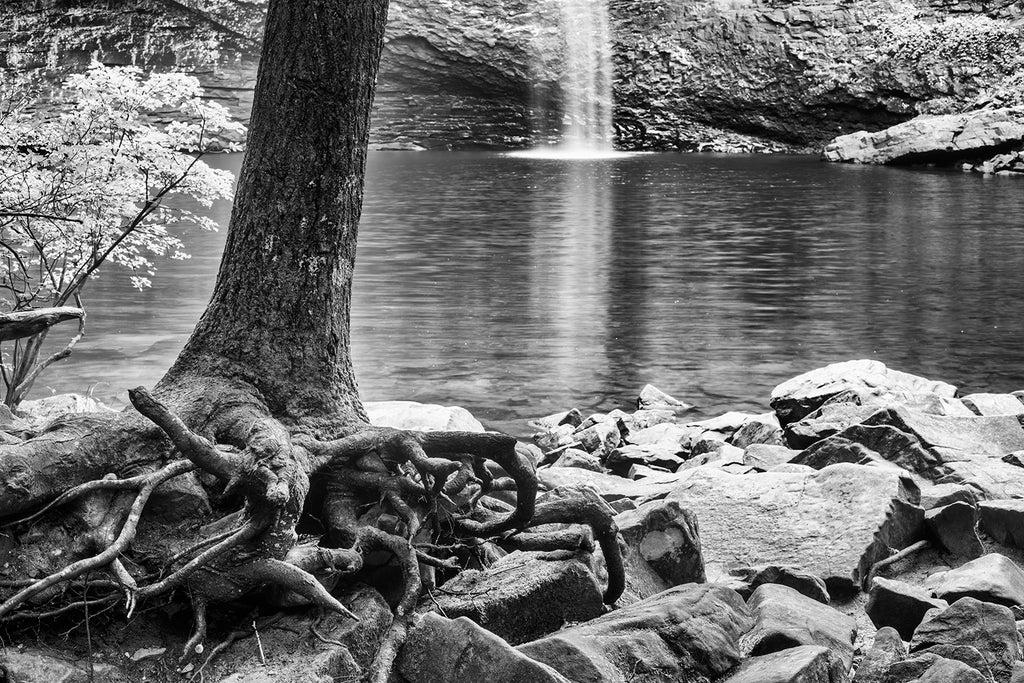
{"x":587,"y":77}
{"x":584,"y":73}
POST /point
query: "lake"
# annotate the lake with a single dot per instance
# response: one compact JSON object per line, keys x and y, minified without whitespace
{"x":518,"y":287}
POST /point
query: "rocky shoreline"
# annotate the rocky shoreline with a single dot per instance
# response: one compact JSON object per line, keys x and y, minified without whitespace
{"x":868,"y":528}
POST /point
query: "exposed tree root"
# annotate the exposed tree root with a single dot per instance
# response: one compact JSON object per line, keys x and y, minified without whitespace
{"x":420,"y":498}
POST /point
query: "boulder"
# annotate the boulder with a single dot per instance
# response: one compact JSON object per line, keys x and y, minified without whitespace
{"x":689,"y":632}
{"x":610,"y":487}
{"x":938,"y":495}
{"x":599,"y":438}
{"x":649,"y":455}
{"x":944,"y":138}
{"x":885,"y":650}
{"x":573,"y":418}
{"x":931,"y":668}
{"x":834,"y":523}
{"x":665,"y":535}
{"x":992,"y":578}
{"x":983,"y":635}
{"x":760,"y":429}
{"x":653,"y":398}
{"x":572,"y":457}
{"x":1003,"y":520}
{"x":994,"y":404}
{"x":523,"y":596}
{"x":939,"y":448}
{"x":644,"y":418}
{"x":34,"y":666}
{"x":824,"y":422}
{"x":440,"y":650}
{"x":422,"y":417}
{"x":899,"y":605}
{"x":666,"y":435}
{"x":797,"y":397}
{"x":783,"y":618}
{"x":717,"y":453}
{"x":747,"y":579}
{"x":954,"y":526}
{"x":179,"y":498}
{"x":764,"y":456}
{"x":42,"y":409}
{"x":804,"y":664}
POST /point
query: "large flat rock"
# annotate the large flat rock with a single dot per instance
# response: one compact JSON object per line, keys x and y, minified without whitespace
{"x":833,"y":523}
{"x":940,"y":138}
{"x":687,"y":633}
{"x":867,"y":379}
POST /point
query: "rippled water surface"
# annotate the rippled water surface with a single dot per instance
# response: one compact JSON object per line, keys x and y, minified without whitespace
{"x":517,"y":287}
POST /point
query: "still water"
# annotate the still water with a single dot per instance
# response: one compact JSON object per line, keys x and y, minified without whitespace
{"x":517,"y":287}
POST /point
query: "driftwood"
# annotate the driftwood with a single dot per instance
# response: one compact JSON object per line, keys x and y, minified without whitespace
{"x":30,"y":323}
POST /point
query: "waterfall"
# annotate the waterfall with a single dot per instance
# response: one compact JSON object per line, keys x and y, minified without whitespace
{"x":586,"y":79}
{"x":575,"y":49}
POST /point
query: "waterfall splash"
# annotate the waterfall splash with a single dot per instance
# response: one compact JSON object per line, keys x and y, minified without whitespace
{"x":585,"y":84}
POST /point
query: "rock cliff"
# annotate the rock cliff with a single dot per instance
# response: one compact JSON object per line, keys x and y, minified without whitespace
{"x":706,"y":74}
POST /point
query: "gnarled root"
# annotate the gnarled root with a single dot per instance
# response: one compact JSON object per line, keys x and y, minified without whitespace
{"x":420,"y":498}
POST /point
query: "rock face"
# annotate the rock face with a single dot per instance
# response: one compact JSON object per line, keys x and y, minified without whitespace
{"x":687,"y":633}
{"x":952,"y":138}
{"x":834,"y":523}
{"x":688,"y":75}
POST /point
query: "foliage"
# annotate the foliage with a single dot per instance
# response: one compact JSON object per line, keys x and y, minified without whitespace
{"x":89,"y":184}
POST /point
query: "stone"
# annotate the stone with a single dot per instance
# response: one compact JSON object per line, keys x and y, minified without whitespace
{"x":994,"y":578}
{"x":797,"y":397}
{"x":938,"y":495}
{"x":750,"y":578}
{"x":760,"y":429}
{"x":441,"y":650}
{"x":32,"y":666}
{"x":687,"y":633}
{"x":994,"y":404}
{"x":784,"y":618}
{"x":804,"y":664}
{"x":643,"y":471}
{"x":653,"y":398}
{"x":573,"y":418}
{"x":666,"y":435}
{"x":886,"y":649}
{"x":572,"y":457}
{"x":939,"y":448}
{"x":990,"y":477}
{"x":1003,"y":520}
{"x":833,"y":523}
{"x":954,"y":526}
{"x":650,"y":455}
{"x":764,"y":456}
{"x":826,"y":421}
{"x":422,"y":417}
{"x":899,"y":605}
{"x":665,"y":535}
{"x":522,"y":596}
{"x":931,"y":668}
{"x":717,"y":453}
{"x":610,"y":487}
{"x":1017,"y":675}
{"x":144,"y":653}
{"x":945,"y":138}
{"x":644,"y":418}
{"x":727,"y":423}
{"x":43,"y":409}
{"x":983,"y":635}
{"x":560,"y":436}
{"x":600,"y":438}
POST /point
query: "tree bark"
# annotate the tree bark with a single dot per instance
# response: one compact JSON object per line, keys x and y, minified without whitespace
{"x":278,"y":318}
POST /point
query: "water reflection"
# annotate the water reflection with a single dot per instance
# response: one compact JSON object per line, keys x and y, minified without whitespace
{"x":517,"y":287}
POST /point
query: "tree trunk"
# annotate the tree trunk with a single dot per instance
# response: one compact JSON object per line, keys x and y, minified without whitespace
{"x":279,"y":316}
